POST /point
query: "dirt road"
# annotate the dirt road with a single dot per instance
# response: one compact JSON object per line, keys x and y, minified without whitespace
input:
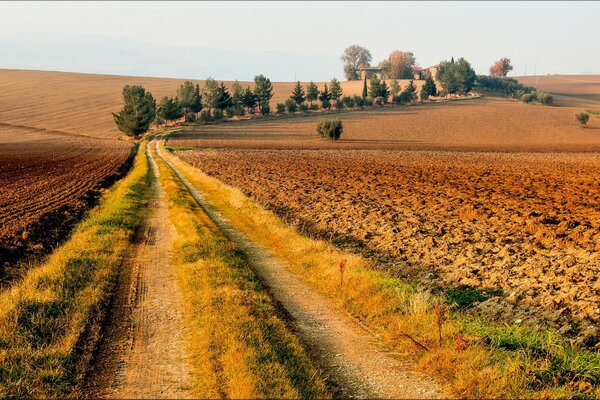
{"x":351,"y":360}
{"x":142,"y":353}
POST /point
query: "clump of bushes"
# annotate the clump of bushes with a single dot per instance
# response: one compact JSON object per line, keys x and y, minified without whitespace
{"x":303,"y":107}
{"x":378,"y":101}
{"x":348,"y":101}
{"x":291,"y":106}
{"x":330,"y":129}
{"x":582,"y":118}
{"x":314,"y":107}
{"x":541,"y":97}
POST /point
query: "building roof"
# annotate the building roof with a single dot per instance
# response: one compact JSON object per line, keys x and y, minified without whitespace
{"x":369,"y":68}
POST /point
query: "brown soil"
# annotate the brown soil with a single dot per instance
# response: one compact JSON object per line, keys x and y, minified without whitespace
{"x":527,"y":223}
{"x":351,"y":359}
{"x":49,"y":179}
{"x":142,"y":353}
{"x":488,"y":123}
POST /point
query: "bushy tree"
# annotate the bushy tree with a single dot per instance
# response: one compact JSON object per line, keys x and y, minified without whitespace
{"x":456,"y":76}
{"x":291,"y":106}
{"x":138,"y":112}
{"x":394,"y":88}
{"x":330,"y":129}
{"x":428,"y":88}
{"x":263,"y":90}
{"x":384,"y":92}
{"x":190,"y":99}
{"x":354,"y":57}
{"x":582,"y":118}
{"x":170,"y":109}
{"x":312,"y":92}
{"x":249,"y":99}
{"x":280,"y":107}
{"x":545,"y":98}
{"x":374,"y":87}
{"x":298,"y":94}
{"x":223,"y":98}
{"x":237,"y":94}
{"x":325,"y":97}
{"x":399,"y":65}
{"x":359,"y":101}
{"x":211,"y":88}
{"x":348,"y":101}
{"x":501,"y":67}
{"x":336,"y":89}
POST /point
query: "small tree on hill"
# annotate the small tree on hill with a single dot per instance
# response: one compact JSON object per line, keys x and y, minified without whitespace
{"x":354,"y":57}
{"x":249,"y":100}
{"x":336,"y":90}
{"x":394,"y":88}
{"x":222,"y":98}
{"x":582,"y":118}
{"x":374,"y":87}
{"x":501,"y":67}
{"x":312,"y":92}
{"x":330,"y":129}
{"x":170,"y":109}
{"x":237,"y":93}
{"x":428,"y":89}
{"x":298,"y":93}
{"x":291,"y":106}
{"x":138,"y":112}
{"x":409,"y":94}
{"x":189,"y":99}
{"x":456,"y":76}
{"x":210,"y":93}
{"x":263,"y":90}
{"x":384,"y":92}
{"x":325,"y":97}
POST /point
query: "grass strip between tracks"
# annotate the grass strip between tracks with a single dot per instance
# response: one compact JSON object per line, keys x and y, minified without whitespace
{"x":239,"y":346}
{"x":474,"y":358}
{"x":49,"y":321}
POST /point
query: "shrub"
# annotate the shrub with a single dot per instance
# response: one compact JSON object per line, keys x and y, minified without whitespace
{"x":205,"y":116}
{"x":303,"y":107}
{"x":397,"y":99}
{"x":582,"y":118}
{"x":217,"y":115}
{"x":330,"y":129}
{"x":545,"y":98}
{"x":528,"y":97}
{"x":359,"y":101}
{"x":325,"y":104}
{"x":348,"y":101}
{"x":339,"y":104}
{"x":265,"y":109}
{"x":314,"y":107}
{"x":280,"y":108}
{"x":368,"y":101}
{"x":230,"y":112}
{"x":291,"y":106}
{"x":190,"y":116}
{"x":378,"y":101}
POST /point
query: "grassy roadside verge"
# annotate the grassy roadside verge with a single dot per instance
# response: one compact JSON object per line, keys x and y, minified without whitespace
{"x":239,"y":347}
{"x":474,"y":358}
{"x":50,"y":320}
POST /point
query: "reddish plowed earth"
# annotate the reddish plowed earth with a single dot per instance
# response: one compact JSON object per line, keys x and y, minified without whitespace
{"x":48,"y":179}
{"x":528,"y":223}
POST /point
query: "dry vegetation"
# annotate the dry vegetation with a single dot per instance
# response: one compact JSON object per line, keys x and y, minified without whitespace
{"x":568,"y":89}
{"x":48,"y":179}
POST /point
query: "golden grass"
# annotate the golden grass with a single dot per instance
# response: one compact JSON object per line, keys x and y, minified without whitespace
{"x":49,"y":321}
{"x":465,"y":360}
{"x":239,"y":346}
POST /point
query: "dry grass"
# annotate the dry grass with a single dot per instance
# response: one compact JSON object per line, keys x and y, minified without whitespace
{"x":49,"y":321}
{"x":239,"y":346}
{"x":395,"y":310}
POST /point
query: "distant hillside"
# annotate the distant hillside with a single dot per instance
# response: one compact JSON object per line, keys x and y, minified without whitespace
{"x":573,"y":90}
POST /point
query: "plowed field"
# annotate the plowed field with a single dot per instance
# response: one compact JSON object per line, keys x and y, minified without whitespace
{"x":48,"y":179}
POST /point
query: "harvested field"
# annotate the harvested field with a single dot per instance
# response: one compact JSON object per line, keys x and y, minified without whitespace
{"x":48,"y":179}
{"x":476,"y":124}
{"x":575,"y":90}
{"x":83,"y":103}
{"x":526,"y":223}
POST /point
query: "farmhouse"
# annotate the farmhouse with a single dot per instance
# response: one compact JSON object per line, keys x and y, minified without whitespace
{"x":369,"y":72}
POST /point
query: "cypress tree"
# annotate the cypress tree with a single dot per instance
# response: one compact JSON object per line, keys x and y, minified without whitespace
{"x":364,"y":92}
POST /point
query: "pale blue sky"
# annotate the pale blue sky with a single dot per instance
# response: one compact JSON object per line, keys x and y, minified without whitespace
{"x":555,"y":37}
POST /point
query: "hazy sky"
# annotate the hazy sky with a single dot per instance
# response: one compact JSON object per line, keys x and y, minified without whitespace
{"x":555,"y":37}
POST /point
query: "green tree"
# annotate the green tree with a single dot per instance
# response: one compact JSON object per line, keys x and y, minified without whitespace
{"x":263,"y":90}
{"x":298,"y":93}
{"x":291,"y":106}
{"x":394,"y":88}
{"x":428,"y":89}
{"x":223,"y":98}
{"x":249,"y":100}
{"x":456,"y":76}
{"x":336,"y":89}
{"x":312,"y":92}
{"x":384,"y":91}
{"x":374,"y":87}
{"x":364,"y":91}
{"x":210,"y":93}
{"x":138,"y":112}
{"x":237,"y":93}
{"x":325,"y":97}
{"x":189,"y":99}
{"x":170,"y":109}
{"x":409,"y":94}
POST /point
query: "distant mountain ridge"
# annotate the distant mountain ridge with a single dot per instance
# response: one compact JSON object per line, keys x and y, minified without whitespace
{"x":120,"y":56}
